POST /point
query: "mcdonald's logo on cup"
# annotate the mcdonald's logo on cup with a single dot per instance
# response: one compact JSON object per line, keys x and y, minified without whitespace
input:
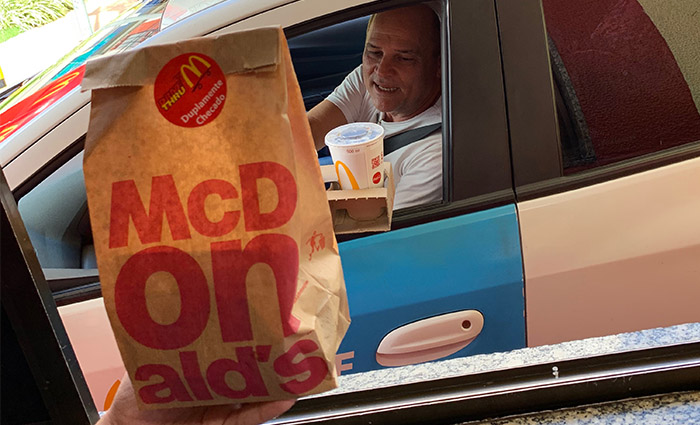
{"x":357,"y":150}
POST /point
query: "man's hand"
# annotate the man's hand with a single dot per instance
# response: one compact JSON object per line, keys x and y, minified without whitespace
{"x":125,"y":411}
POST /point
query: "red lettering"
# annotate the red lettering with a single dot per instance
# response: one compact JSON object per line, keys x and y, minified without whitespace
{"x":171,"y":382}
{"x":286,"y":195}
{"x":126,"y":202}
{"x":130,"y":298}
{"x":262,"y":352}
{"x":246,"y":366}
{"x":230,"y":268}
{"x":198,"y":216}
{"x":285,"y":366}
{"x":193,"y":375}
{"x":230,"y":290}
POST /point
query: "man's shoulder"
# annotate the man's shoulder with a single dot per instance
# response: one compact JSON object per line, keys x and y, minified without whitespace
{"x":352,"y":99}
{"x":355,"y":80}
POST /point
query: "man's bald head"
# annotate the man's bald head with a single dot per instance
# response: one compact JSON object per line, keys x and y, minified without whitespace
{"x":426,"y":22}
{"x":401,"y":62}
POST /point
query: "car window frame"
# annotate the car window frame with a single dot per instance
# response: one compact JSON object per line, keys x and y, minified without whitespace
{"x":470,"y":52}
{"x":37,"y":327}
{"x":66,"y":289}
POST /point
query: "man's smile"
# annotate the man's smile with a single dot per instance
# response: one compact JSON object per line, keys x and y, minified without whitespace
{"x":385,"y":89}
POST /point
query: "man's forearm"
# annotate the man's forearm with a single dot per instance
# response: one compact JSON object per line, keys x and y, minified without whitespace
{"x":323,"y":118}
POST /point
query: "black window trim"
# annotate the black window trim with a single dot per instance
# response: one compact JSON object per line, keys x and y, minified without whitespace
{"x":70,"y":286}
{"x":479,"y":123}
{"x":512,"y":391}
{"x":76,"y":292}
{"x":529,"y":86}
{"x":39,"y":330}
{"x":609,"y":172}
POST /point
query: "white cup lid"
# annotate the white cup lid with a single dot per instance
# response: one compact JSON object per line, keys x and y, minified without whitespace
{"x":355,"y":133}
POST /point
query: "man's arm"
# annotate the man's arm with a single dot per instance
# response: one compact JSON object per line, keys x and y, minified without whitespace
{"x":323,"y":118}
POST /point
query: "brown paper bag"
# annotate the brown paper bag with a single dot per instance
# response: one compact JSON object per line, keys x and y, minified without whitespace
{"x":219,"y":267}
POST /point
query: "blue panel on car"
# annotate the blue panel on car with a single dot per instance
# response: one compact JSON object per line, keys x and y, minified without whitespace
{"x":471,"y":262}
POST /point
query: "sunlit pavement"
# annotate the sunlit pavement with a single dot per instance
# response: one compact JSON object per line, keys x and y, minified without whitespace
{"x":33,"y":51}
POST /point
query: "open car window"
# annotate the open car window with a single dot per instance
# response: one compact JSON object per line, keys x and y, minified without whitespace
{"x":56,"y":217}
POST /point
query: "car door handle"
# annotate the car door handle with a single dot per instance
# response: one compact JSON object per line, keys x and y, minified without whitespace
{"x":430,"y":339}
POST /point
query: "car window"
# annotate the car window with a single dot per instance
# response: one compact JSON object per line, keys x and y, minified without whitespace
{"x":627,"y":80}
{"x":55,"y":215}
{"x":327,"y":63}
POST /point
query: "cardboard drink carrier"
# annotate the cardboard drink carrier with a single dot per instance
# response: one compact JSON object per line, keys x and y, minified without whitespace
{"x":359,"y":211}
{"x":218,"y":262}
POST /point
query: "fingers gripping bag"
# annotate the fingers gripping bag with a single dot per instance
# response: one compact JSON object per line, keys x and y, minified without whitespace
{"x":219,"y":266}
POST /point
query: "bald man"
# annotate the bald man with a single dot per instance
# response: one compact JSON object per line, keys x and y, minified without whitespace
{"x":398,"y":87}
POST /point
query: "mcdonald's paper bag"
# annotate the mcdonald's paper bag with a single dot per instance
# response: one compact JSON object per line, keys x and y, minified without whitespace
{"x":219,"y":266}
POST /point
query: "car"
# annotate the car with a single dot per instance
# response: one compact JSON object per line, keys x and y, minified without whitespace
{"x":571,"y":145}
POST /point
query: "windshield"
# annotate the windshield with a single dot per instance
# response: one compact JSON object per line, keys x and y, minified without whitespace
{"x":134,"y":26}
{"x":177,"y":10}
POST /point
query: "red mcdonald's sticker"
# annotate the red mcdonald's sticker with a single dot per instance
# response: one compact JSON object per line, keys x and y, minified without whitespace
{"x":190,"y":90}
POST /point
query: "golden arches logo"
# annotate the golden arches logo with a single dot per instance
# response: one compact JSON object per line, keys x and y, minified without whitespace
{"x":59,"y":85}
{"x":351,"y":177}
{"x":193,"y":69}
{"x":109,"y":399}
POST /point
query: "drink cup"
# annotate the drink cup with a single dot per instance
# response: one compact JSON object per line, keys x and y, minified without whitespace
{"x":357,"y":150}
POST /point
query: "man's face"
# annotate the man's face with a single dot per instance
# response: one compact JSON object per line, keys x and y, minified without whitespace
{"x":401,"y":64}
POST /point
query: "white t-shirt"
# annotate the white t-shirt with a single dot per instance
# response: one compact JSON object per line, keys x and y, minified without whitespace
{"x":417,"y":166}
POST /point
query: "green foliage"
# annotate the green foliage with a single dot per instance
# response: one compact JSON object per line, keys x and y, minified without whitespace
{"x":26,"y":14}
{"x":8,"y":33}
